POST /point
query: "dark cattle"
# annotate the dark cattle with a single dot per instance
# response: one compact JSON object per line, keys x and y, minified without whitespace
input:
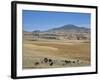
{"x":36,"y":63}
{"x":45,"y":60}
{"x":50,"y":60}
{"x":51,"y":63}
{"x":66,"y":61}
{"x":77,"y":61}
{"x":73,"y":61}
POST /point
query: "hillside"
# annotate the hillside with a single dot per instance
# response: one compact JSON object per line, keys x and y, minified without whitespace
{"x":70,"y":28}
{"x":70,"y":32}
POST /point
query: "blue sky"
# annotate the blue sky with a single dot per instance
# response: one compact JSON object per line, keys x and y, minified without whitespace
{"x":44,"y":20}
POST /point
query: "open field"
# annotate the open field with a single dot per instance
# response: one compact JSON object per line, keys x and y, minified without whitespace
{"x":55,"y":53}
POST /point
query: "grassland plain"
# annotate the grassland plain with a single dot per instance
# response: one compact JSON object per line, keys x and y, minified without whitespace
{"x":44,"y":53}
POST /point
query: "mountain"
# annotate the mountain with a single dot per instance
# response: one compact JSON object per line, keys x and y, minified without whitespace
{"x":70,"y":32}
{"x":69,"y":28}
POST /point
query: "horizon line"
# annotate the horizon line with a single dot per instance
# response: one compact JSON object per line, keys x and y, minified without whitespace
{"x":58,"y":27}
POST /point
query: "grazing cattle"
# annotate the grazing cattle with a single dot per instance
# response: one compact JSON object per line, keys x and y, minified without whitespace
{"x":51,"y":63}
{"x":66,"y":61}
{"x":50,"y":60}
{"x":77,"y":61}
{"x":73,"y":61}
{"x":45,"y":60}
{"x":36,"y":63}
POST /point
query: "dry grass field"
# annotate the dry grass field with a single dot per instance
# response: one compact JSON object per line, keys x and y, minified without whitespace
{"x":55,"y":53}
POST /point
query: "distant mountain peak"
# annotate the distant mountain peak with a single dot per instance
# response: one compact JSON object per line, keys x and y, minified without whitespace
{"x":70,"y":26}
